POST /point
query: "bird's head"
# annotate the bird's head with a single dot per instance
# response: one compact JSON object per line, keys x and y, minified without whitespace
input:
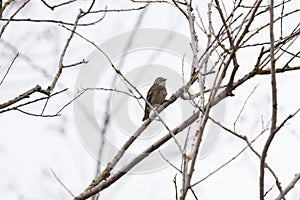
{"x":160,"y":81}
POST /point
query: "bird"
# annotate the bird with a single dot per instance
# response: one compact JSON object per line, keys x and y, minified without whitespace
{"x":156,"y":95}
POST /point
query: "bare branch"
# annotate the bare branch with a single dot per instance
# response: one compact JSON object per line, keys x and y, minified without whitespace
{"x":23,"y":96}
{"x":32,"y":101}
{"x":289,"y":187}
{"x":274,"y":104}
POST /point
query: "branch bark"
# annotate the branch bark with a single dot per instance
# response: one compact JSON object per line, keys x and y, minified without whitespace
{"x":274,"y":104}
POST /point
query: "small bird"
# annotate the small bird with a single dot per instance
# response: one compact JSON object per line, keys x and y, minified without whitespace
{"x":156,"y":95}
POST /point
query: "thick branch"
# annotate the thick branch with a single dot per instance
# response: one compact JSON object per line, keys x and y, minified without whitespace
{"x":274,"y":103}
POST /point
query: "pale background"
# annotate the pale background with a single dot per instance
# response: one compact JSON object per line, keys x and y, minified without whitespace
{"x":31,"y":146}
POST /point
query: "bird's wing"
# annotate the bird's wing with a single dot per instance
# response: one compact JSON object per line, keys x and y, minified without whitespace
{"x":151,"y":94}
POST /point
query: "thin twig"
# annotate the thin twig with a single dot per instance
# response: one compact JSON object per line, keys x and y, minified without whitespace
{"x":57,"y":5}
{"x":114,"y":90}
{"x":12,"y":16}
{"x":72,"y":100}
{"x":61,"y":59}
{"x":76,"y":64}
{"x":71,"y":23}
{"x":36,"y":115}
{"x":175,"y":185}
{"x":11,"y":64}
{"x":171,"y":164}
{"x":269,"y":190}
{"x":244,"y":104}
{"x":121,"y":10}
{"x":61,"y":183}
{"x":281,"y":20}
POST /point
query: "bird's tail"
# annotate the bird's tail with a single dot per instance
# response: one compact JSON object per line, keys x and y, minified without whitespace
{"x":147,"y":112}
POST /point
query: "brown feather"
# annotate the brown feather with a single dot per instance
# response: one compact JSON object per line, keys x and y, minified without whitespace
{"x":155,"y":96}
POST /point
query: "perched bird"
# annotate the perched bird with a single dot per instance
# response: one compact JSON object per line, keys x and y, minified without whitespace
{"x":156,"y":95}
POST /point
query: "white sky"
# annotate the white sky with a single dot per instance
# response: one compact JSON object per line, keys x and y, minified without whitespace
{"x":31,"y":146}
